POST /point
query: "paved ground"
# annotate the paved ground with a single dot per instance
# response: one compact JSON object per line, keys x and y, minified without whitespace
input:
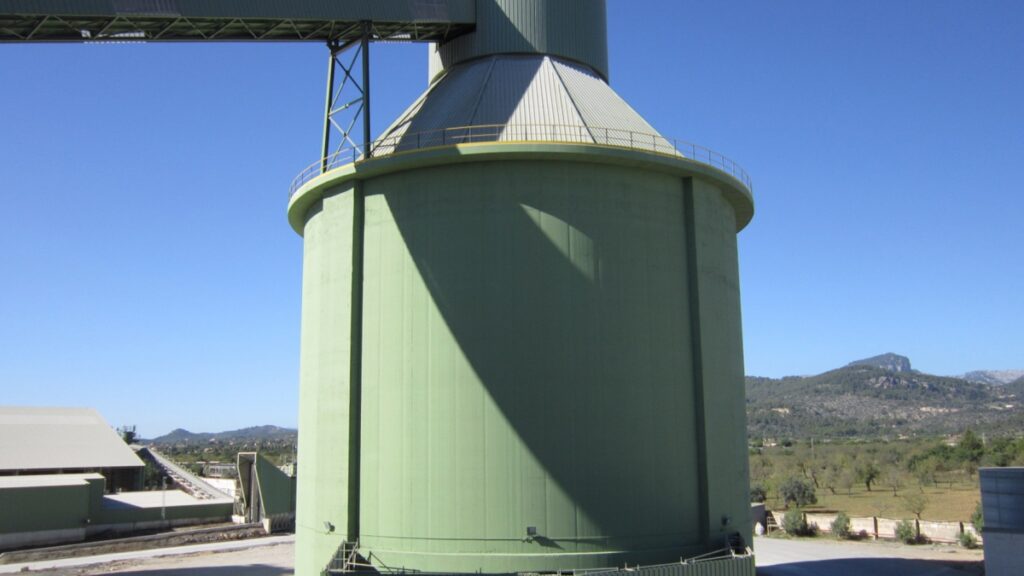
{"x":775,"y":557}
{"x":270,"y":556}
{"x":826,"y":557}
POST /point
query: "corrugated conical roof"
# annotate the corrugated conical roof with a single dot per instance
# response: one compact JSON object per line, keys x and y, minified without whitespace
{"x":516,"y":98}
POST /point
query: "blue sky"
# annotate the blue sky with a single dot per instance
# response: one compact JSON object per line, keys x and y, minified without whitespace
{"x":148,"y":269}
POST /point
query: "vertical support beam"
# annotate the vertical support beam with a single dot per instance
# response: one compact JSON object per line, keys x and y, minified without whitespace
{"x":332,"y":48}
{"x":367,"y":138}
{"x":356,"y":362}
{"x":697,"y":351}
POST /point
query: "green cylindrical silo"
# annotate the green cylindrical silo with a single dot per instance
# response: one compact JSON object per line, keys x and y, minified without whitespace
{"x":521,"y":341}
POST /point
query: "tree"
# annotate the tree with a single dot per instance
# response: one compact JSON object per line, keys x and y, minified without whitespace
{"x":833,"y":470}
{"x":916,"y":503}
{"x":846,"y":481}
{"x":978,"y":518}
{"x":758,"y":493}
{"x":797,"y":491}
{"x":815,"y":472}
{"x":970,"y":448}
{"x":924,"y":471}
{"x":761,"y":469}
{"x":971,"y":468}
{"x":127,"y":434}
{"x":894,"y":479}
{"x":867,"y":472}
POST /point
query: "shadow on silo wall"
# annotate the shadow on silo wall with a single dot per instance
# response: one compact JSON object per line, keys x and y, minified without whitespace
{"x":564,"y":288}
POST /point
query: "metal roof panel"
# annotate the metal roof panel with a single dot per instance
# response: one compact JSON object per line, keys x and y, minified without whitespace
{"x":45,"y":438}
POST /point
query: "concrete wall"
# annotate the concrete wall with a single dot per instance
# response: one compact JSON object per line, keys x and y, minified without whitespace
{"x":944,"y":532}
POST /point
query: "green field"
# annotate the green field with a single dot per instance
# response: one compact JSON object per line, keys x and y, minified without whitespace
{"x":942,"y":472}
{"x":946,"y":504}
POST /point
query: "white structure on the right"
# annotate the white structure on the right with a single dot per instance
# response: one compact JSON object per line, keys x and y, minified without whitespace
{"x":1002,"y":501}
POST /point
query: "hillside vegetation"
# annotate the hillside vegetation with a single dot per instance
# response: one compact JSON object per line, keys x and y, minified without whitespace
{"x":862,"y":400}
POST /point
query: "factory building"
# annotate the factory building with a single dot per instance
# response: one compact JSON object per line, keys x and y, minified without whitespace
{"x":66,"y":476}
{"x":49,"y":440}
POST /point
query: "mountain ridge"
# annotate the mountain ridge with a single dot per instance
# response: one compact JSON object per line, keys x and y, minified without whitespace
{"x":993,"y":377}
{"x":879,"y":396}
{"x":887,"y":361}
{"x":265,"y":432}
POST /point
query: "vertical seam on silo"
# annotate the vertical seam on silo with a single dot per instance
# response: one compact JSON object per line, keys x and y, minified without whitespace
{"x":355,"y":361}
{"x":429,"y":382}
{"x":693,"y":287}
{"x":404,"y":388}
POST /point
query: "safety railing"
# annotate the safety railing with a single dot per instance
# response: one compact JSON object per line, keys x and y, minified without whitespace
{"x":545,"y":133}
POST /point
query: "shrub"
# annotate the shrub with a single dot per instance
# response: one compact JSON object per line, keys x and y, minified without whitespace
{"x":841,"y":526}
{"x":967,"y":540}
{"x":978,"y":518}
{"x":758,"y":493}
{"x":906,"y":532}
{"x":795,"y":523}
{"x":797,"y":491}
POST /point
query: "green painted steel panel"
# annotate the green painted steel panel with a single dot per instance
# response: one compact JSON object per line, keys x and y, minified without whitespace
{"x":30,"y":508}
{"x":324,"y":394}
{"x":277,"y":489}
{"x":722,"y":363}
{"x":529,"y":325}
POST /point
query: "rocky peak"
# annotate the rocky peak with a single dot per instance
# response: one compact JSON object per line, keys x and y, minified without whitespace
{"x":891,"y":362}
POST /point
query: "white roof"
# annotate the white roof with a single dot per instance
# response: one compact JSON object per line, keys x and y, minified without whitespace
{"x":156,"y":499}
{"x":46,"y":438}
{"x":47,"y":480}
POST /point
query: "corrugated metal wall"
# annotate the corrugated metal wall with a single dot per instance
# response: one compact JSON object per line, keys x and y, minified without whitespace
{"x":573,"y":29}
{"x":322,"y":507}
{"x":527,"y":363}
{"x":1002,"y":495}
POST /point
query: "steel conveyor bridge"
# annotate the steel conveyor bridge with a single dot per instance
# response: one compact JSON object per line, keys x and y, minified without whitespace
{"x":345,"y":26}
{"x":232,"y":20}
